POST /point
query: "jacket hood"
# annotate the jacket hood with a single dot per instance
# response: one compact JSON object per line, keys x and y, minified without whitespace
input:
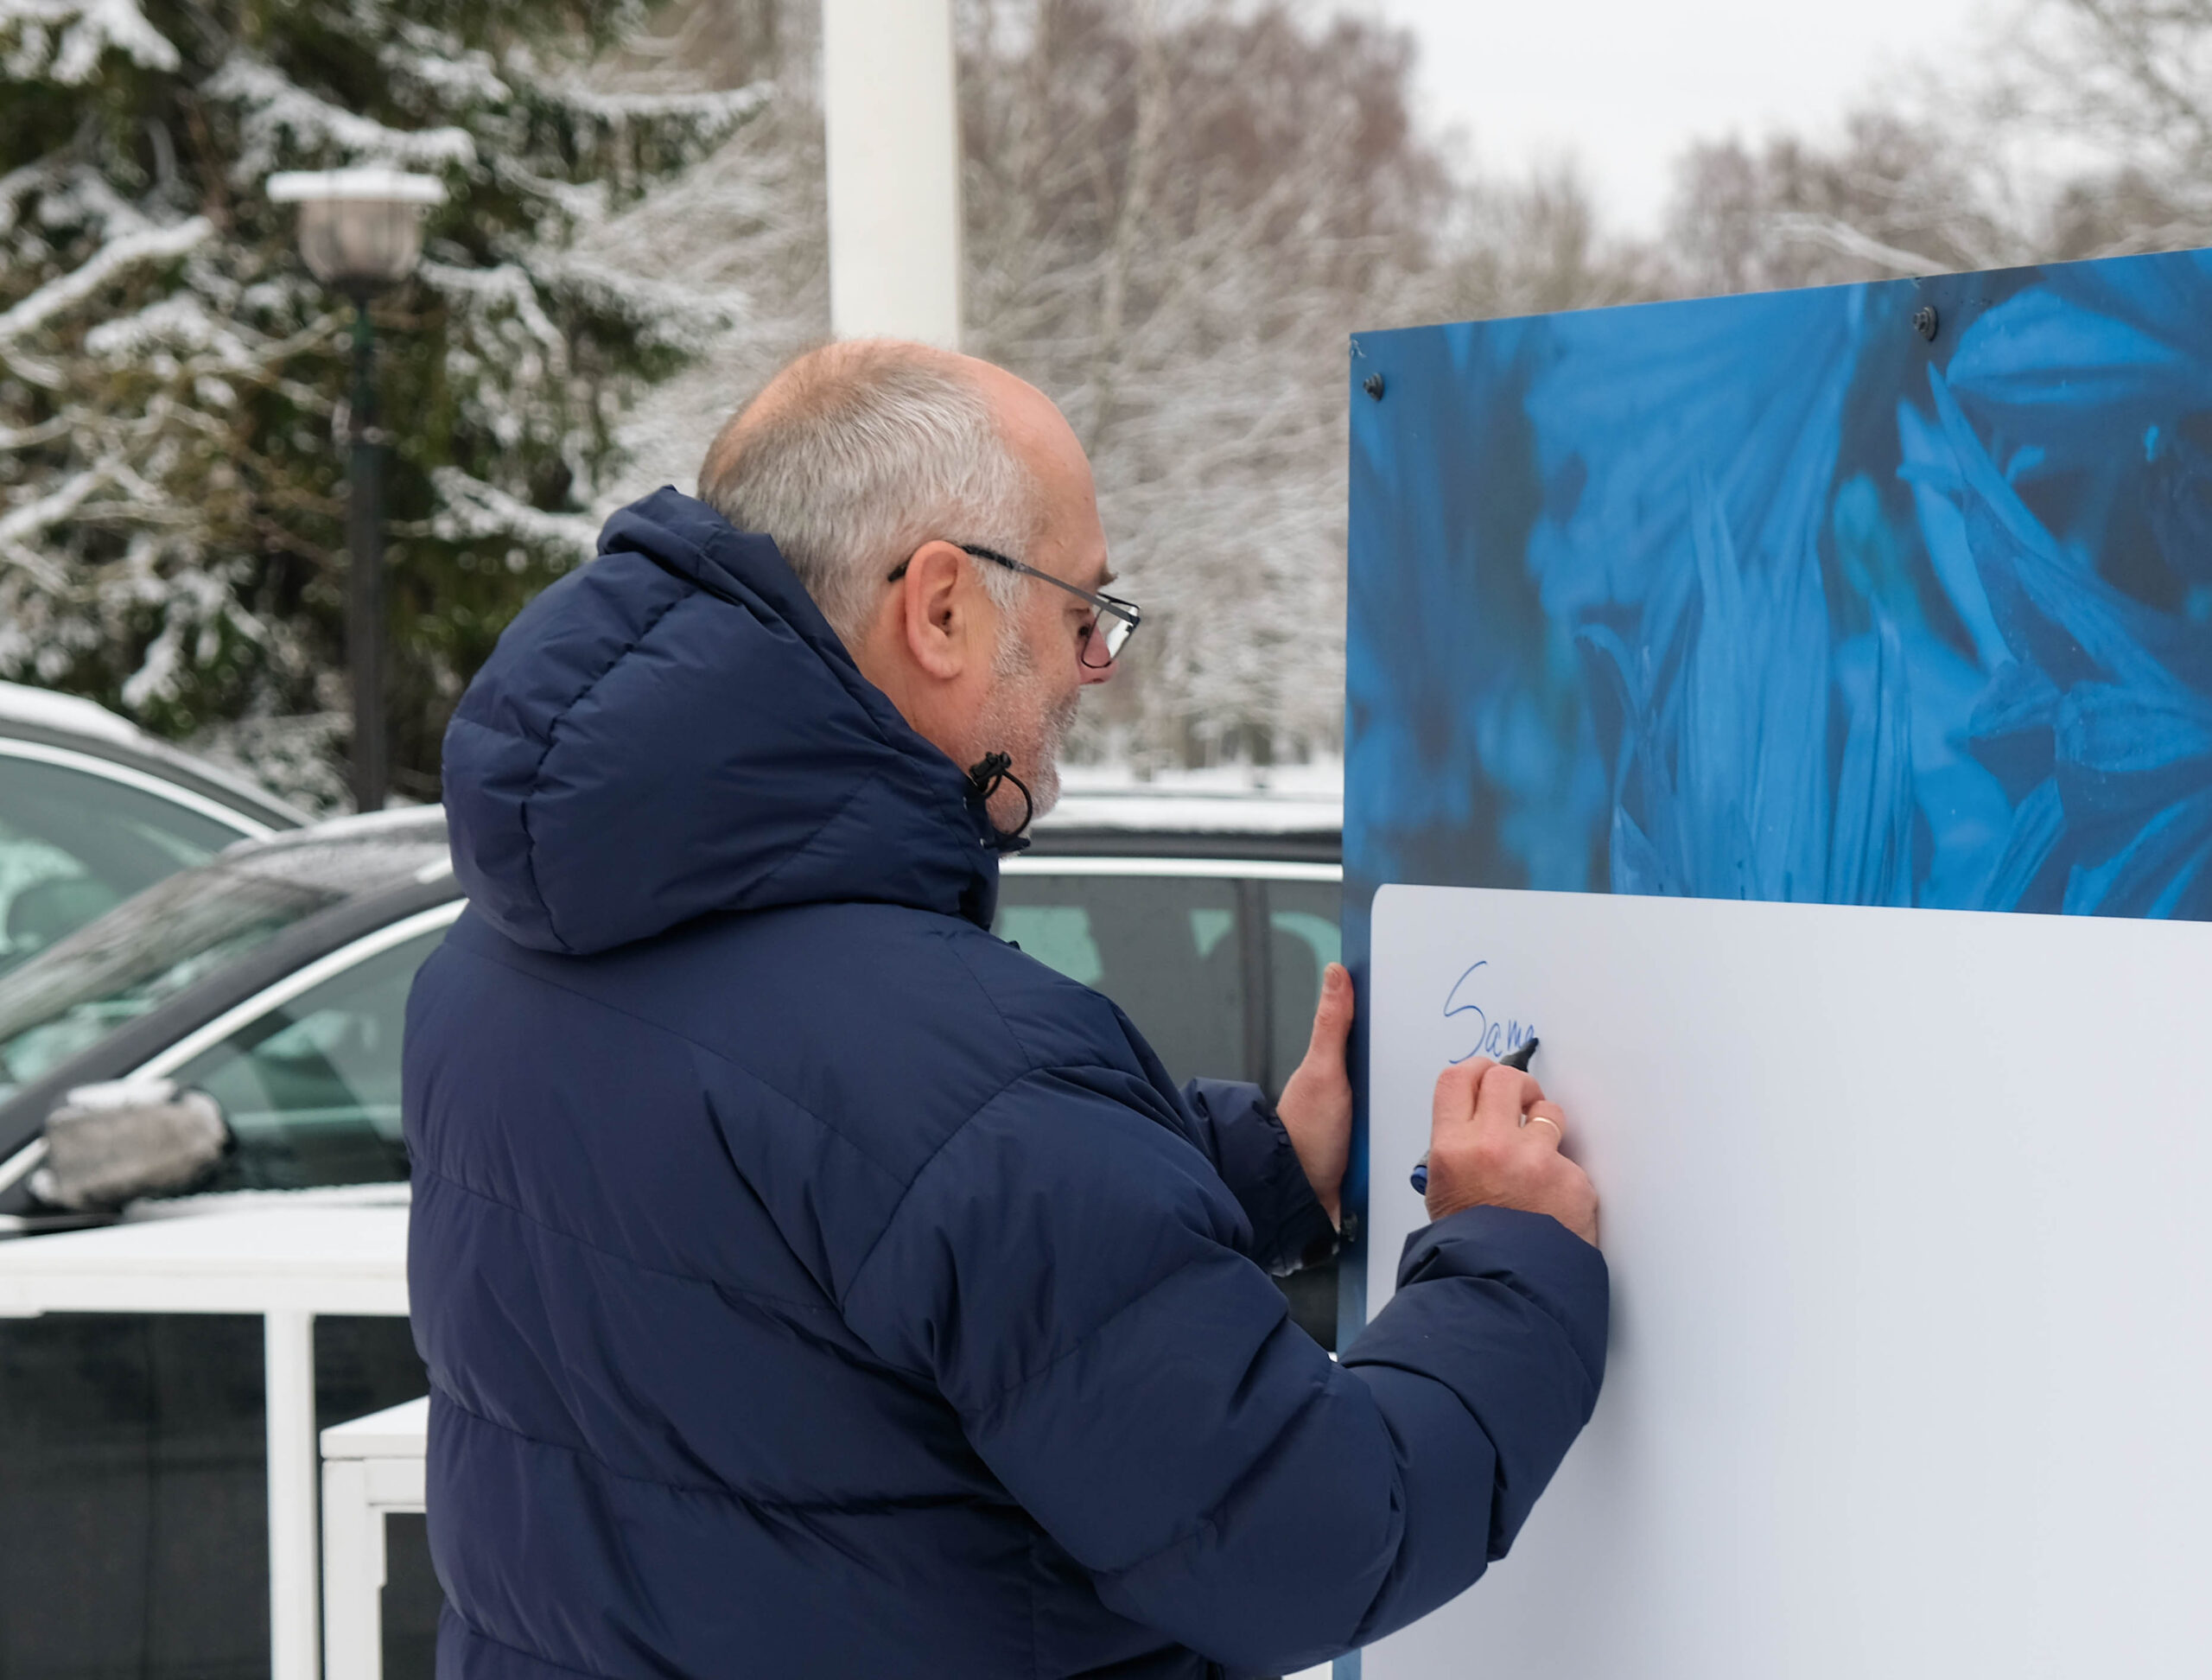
{"x":675,"y":730}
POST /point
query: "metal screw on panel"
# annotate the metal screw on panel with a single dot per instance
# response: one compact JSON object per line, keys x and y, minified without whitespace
{"x":1372,"y":384}
{"x":1923,"y":322}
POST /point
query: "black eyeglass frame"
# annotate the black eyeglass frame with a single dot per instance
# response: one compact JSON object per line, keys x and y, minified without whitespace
{"x":1126,"y":615}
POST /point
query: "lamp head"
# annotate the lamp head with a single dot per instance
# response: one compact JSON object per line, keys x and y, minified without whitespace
{"x":360,"y":230}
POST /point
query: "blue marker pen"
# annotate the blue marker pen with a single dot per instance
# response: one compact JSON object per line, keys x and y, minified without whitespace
{"x":1518,"y":1060}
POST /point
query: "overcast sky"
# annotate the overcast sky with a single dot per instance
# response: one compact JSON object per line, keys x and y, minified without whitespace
{"x":1625,"y":85}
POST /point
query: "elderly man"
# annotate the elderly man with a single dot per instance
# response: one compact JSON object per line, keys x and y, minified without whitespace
{"x":813,"y":1285}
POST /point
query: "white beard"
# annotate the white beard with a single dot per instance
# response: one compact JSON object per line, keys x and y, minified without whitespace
{"x":1017,"y":721}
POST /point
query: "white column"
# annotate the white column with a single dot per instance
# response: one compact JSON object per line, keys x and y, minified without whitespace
{"x":893,"y":141}
{"x":295,"y":1647}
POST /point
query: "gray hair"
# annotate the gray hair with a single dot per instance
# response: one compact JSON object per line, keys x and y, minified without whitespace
{"x":857,"y":454}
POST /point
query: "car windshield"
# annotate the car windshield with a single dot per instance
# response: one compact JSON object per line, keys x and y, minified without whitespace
{"x":74,"y":844}
{"x":151,"y":947}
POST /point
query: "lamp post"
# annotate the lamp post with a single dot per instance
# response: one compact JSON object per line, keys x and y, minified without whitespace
{"x":361,"y":230}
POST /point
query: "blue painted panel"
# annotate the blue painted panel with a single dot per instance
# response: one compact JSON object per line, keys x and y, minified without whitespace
{"x":1772,"y":597}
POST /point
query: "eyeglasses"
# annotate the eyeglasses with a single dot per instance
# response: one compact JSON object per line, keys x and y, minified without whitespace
{"x":1107,"y":633}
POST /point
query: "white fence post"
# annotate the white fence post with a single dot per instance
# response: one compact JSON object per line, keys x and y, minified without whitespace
{"x":352,"y":1574}
{"x":295,"y":1639}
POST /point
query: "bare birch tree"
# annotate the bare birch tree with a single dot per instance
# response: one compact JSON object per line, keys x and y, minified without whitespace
{"x":1178,"y":214}
{"x":2083,"y":129}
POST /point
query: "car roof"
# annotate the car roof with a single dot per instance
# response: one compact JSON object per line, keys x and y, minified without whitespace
{"x":70,"y":713}
{"x":356,"y":856}
{"x":1263,"y":813}
{"x":69,"y":721}
{"x":1267,"y":815}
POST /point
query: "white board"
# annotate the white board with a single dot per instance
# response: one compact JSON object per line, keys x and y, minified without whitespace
{"x":1910,"y":1220}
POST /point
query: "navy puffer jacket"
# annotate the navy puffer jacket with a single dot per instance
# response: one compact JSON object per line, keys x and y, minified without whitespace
{"x":814,"y":1285}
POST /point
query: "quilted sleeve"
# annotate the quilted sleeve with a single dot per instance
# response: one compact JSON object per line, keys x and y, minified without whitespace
{"x":1253,"y":1154}
{"x":1068,"y":1272}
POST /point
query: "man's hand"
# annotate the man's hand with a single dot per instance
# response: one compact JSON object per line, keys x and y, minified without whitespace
{"x":1316,"y":1105}
{"x":1483,"y":1154}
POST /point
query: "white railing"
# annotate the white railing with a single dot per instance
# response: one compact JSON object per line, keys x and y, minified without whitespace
{"x":371,"y":1467}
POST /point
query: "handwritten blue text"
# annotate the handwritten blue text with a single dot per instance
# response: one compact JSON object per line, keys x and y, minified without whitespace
{"x":1491,"y":1038}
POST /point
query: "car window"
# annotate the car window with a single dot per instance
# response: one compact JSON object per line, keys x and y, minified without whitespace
{"x":311,"y":1089}
{"x":1303,"y":938}
{"x":155,"y":945}
{"x":73,"y":845}
{"x":1166,"y":948}
{"x":136,"y":958}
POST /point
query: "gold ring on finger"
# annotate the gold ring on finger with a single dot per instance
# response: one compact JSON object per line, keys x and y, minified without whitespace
{"x":1558,"y":1131}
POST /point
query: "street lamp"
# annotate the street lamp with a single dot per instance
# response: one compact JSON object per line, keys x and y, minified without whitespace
{"x":361,"y":230}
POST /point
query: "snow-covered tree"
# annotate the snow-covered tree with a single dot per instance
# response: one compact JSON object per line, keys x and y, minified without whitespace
{"x":2116,"y":94}
{"x":1894,"y":193}
{"x":1178,"y":212}
{"x":750,"y":223}
{"x":171,"y":478}
{"x":2076,"y":129}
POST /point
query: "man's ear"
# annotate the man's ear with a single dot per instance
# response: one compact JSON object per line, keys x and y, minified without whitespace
{"x":940,"y":611}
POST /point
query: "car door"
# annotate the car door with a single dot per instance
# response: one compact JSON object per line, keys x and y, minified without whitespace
{"x":308,"y":1072}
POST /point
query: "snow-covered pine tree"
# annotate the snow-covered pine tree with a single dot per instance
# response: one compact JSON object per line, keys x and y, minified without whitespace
{"x":171,"y":478}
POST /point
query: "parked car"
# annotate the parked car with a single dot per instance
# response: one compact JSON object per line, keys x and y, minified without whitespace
{"x":92,"y":810}
{"x":273,"y":977}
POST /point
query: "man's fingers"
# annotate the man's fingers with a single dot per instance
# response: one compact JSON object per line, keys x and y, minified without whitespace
{"x":1555,"y":1133}
{"x":1455,"y":1091}
{"x":1505,"y":1095}
{"x":1332,"y":1014}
